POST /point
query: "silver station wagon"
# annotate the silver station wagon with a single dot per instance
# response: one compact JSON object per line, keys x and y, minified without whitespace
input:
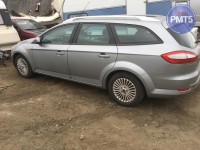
{"x":130,"y":56}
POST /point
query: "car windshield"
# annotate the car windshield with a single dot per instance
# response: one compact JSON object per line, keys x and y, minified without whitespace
{"x":29,"y":25}
{"x":187,"y":39}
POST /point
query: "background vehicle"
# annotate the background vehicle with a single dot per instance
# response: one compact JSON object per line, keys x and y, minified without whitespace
{"x":73,"y":8}
{"x":8,"y":35}
{"x":28,"y":28}
{"x":130,"y":56}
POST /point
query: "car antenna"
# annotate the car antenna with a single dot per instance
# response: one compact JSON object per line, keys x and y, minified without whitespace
{"x":85,"y":7}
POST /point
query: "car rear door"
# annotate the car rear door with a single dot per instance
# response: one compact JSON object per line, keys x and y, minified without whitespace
{"x":50,"y":57}
{"x":92,"y":53}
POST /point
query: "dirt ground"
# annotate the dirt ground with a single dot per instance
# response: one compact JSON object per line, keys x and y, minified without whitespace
{"x":45,"y":113}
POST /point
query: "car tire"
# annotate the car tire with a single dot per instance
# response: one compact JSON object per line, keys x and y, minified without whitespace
{"x":126,"y":89}
{"x":23,"y":67}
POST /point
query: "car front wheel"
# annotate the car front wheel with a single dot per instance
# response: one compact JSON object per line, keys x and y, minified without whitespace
{"x":126,"y":89}
{"x":23,"y":67}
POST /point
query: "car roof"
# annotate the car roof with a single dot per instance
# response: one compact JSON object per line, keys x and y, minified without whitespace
{"x":110,"y":18}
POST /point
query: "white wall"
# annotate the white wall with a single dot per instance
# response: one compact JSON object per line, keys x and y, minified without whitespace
{"x":80,"y":5}
{"x":2,"y":5}
{"x":136,"y":7}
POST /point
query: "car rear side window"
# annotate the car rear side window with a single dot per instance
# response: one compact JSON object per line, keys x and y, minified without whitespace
{"x":93,"y":34}
{"x":136,"y":35}
{"x":186,"y":40}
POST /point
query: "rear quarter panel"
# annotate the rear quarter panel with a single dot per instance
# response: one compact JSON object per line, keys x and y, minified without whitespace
{"x":146,"y":63}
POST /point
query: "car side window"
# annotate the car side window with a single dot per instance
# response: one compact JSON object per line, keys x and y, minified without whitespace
{"x":93,"y":34}
{"x":60,"y":35}
{"x":129,"y":34}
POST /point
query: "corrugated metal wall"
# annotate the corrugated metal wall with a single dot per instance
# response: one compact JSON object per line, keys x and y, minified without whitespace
{"x":159,"y":7}
{"x":25,"y":6}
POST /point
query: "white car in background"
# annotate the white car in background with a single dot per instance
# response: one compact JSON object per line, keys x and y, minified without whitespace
{"x":8,"y":35}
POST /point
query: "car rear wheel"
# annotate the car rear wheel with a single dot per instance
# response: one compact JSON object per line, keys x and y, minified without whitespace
{"x":126,"y":89}
{"x":23,"y":67}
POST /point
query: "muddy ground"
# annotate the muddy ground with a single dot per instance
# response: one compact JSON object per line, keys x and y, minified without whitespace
{"x":45,"y":113}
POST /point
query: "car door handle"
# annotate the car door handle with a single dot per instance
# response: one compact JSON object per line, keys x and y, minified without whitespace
{"x":60,"y":53}
{"x":103,"y":55}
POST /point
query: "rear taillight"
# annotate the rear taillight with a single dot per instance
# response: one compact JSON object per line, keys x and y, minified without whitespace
{"x":180,"y":57}
{"x":184,"y":89}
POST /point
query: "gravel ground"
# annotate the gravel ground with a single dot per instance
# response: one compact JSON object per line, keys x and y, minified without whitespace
{"x":45,"y":113}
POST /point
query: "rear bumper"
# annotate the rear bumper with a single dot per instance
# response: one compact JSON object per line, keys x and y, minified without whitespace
{"x":165,"y":93}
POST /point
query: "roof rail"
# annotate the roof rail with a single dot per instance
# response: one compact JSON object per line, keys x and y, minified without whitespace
{"x":111,"y":17}
{"x":152,"y":18}
{"x":122,"y":17}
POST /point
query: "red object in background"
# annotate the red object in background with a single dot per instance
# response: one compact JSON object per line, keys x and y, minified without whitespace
{"x":28,"y":28}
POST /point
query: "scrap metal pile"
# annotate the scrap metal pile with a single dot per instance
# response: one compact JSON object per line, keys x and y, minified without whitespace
{"x":30,"y":7}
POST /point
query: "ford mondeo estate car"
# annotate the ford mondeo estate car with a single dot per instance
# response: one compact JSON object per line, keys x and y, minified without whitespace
{"x":130,"y":56}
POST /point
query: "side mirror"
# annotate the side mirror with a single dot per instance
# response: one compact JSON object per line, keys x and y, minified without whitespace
{"x":38,"y":40}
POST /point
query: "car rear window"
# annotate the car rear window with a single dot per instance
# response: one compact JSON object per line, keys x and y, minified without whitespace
{"x":186,"y":40}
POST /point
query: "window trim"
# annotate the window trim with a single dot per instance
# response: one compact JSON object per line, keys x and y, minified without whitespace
{"x":60,"y":26}
{"x":112,"y":40}
{"x":160,"y":41}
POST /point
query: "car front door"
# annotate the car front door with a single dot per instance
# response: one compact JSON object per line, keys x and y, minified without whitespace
{"x":92,"y":53}
{"x":50,"y":56}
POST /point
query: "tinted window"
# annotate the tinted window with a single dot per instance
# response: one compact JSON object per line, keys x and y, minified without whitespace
{"x":5,"y":17}
{"x":29,"y":25}
{"x":128,"y":34}
{"x":93,"y":34}
{"x":187,"y":40}
{"x":59,"y":35}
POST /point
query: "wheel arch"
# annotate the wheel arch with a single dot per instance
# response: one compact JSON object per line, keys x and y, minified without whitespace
{"x":26,"y":55}
{"x":120,"y":71}
{"x":14,"y":57}
{"x":139,"y":73}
